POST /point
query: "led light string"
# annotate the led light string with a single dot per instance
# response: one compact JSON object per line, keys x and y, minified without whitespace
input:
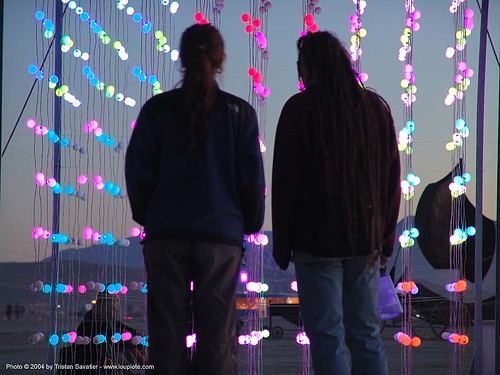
{"x":463,"y":18}
{"x":407,"y":287}
{"x":99,"y":209}
{"x":358,"y":33}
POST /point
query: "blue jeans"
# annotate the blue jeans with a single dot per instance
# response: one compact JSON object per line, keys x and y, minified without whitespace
{"x":339,"y":306}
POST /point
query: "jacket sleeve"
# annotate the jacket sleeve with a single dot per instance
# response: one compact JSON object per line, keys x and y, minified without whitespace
{"x":285,"y":184}
{"x":141,"y":166}
{"x":393,"y":191}
{"x":250,"y":174}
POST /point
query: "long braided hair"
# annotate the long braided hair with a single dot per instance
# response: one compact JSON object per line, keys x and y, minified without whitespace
{"x":202,"y":56}
{"x":347,"y":129}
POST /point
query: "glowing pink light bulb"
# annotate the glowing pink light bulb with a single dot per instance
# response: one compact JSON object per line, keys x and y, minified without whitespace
{"x":462,"y":65}
{"x":46,"y":234}
{"x":96,"y":236}
{"x":459,"y":78}
{"x":191,"y":286}
{"x":86,"y":128}
{"x":72,"y":337}
{"x":38,"y":130}
{"x":51,"y":182}
{"x":82,"y":179}
{"x":44,"y":130}
{"x":87,"y":233}
{"x":135,"y":232}
{"x":98,"y":132}
{"x":82,"y":289}
{"x":124,"y":290}
{"x":133,"y":123}
{"x":99,"y":186}
{"x":469,"y":13}
{"x":266,"y":92}
{"x":39,"y":176}
{"x":243,"y":276}
{"x":469,"y":72}
{"x":126,"y":336}
{"x":69,"y":289}
{"x":142,"y":235}
{"x":364,"y":77}
{"x":97,"y":179}
{"x":30,"y":123}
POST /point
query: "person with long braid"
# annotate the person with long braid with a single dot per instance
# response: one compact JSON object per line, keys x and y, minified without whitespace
{"x":335,"y":204}
{"x":195,"y":180}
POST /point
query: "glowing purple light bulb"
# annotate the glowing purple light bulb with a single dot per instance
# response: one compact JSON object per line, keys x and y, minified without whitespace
{"x":135,"y":232}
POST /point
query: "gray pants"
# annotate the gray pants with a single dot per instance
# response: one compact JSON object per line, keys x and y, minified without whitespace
{"x":171,"y":266}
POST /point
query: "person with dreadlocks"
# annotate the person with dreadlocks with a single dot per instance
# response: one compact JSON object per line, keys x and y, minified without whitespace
{"x":195,"y":180}
{"x":335,"y":204}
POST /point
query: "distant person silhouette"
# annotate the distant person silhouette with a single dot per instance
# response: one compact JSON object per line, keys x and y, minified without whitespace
{"x":102,"y":319}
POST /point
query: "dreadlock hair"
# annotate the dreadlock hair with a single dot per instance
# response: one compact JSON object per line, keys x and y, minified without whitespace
{"x":202,"y":56}
{"x":346,"y":130}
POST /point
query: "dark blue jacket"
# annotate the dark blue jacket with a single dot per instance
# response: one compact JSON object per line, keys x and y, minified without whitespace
{"x":214,"y":192}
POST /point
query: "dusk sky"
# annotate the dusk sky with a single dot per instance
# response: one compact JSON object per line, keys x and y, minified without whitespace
{"x":384,"y":21}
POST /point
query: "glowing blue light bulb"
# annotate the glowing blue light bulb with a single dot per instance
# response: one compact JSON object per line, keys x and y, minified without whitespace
{"x":94,"y":81}
{"x":32,"y":69}
{"x":144,"y":288}
{"x":54,"y":79}
{"x":97,"y":29}
{"x":471,"y":231}
{"x":153,"y":79}
{"x":46,"y":289}
{"x":115,"y":190}
{"x":410,"y":125}
{"x":118,"y":287}
{"x":39,"y":75}
{"x":65,"y":142}
{"x":459,"y":123}
{"x":66,"y":337}
{"x":100,"y":339}
{"x":467,"y":176}
{"x":414,"y":232}
{"x":84,"y":17}
{"x":86,"y":70}
{"x":144,"y":341}
{"x":136,"y":71}
{"x":111,"y":288}
{"x":406,"y":233}
{"x":109,"y":142}
{"x":117,"y":337}
{"x":60,"y":288}
{"x":142,"y":77}
{"x":53,"y":339}
{"x":146,"y":27}
{"x":108,"y":186}
{"x":57,"y":189}
{"x":39,"y":15}
{"x":137,"y":17}
{"x":48,"y":25}
{"x":69,"y":190}
{"x":458,"y":180}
